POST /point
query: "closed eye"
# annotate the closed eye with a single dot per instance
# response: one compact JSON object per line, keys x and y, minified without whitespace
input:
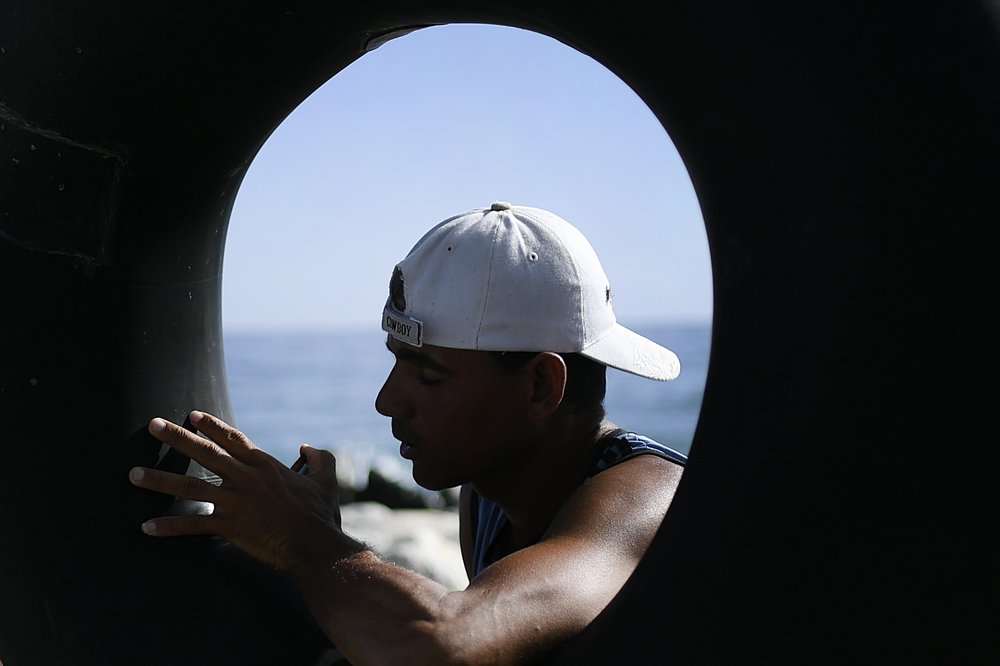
{"x":429,"y":371}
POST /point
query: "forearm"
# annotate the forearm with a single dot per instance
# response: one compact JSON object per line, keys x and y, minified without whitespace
{"x":376,"y":612}
{"x":379,"y":613}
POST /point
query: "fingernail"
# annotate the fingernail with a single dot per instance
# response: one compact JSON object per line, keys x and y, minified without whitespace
{"x":196,"y":417}
{"x":136,"y":474}
{"x":157,"y":425}
{"x":149,"y":527}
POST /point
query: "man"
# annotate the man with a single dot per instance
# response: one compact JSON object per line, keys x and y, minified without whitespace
{"x":501,"y":325}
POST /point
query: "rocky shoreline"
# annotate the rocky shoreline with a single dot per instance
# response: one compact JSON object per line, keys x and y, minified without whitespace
{"x":422,"y":540}
{"x":407,"y":525}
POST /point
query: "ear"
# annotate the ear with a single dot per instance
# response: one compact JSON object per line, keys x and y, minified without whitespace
{"x":547,"y":374}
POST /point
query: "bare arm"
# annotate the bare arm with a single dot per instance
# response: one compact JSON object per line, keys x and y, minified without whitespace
{"x":375,"y":612}
{"x":531,"y":601}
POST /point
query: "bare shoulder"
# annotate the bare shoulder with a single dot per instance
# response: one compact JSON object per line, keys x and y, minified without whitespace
{"x":623,"y":505}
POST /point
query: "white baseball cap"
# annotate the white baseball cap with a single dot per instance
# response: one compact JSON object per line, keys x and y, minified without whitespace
{"x":513,"y":278}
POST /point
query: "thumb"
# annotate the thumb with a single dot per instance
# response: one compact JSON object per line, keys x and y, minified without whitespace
{"x":322,"y":464}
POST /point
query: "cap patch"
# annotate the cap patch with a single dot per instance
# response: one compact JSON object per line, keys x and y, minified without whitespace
{"x":403,"y":328}
{"x":396,"y":292}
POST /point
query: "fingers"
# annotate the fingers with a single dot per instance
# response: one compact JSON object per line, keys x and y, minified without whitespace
{"x":188,"y":487}
{"x":234,"y":442}
{"x":323,"y":470}
{"x":259,"y":497}
{"x":223,"y":444}
{"x":322,"y":464}
{"x":180,"y":526}
{"x":207,"y":453}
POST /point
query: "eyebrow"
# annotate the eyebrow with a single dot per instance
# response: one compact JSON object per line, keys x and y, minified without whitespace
{"x":421,"y":359}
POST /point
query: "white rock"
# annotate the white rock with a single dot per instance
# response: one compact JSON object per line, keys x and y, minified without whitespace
{"x":422,"y":540}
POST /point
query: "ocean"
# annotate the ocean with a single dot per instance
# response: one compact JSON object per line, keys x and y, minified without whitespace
{"x":319,"y":388}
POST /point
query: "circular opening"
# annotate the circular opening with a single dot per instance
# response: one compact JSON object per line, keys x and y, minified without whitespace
{"x":426,"y":126}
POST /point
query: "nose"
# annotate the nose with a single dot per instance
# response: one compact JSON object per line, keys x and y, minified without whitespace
{"x":391,"y":400}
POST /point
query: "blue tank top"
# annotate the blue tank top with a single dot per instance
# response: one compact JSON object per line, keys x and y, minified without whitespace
{"x":614,"y":448}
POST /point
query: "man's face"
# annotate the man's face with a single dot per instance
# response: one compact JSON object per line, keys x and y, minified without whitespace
{"x":459,"y":415}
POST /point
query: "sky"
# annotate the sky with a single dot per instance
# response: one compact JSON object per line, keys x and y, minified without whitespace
{"x":441,"y":121}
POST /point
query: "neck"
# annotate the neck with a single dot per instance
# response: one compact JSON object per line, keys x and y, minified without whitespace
{"x":532,"y":491}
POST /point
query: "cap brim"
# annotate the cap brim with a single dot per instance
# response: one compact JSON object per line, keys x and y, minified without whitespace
{"x":628,"y":351}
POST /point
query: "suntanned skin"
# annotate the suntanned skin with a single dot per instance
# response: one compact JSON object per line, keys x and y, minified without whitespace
{"x":461,"y":419}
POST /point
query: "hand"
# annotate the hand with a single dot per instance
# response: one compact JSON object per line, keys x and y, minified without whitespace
{"x":265,"y":509}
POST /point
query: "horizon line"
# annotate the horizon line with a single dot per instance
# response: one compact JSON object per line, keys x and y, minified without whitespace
{"x":357,"y":327}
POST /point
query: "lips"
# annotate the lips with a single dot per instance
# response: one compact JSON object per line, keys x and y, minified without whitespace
{"x":408,"y":440}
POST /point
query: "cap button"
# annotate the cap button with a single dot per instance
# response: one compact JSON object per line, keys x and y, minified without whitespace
{"x":500,"y":205}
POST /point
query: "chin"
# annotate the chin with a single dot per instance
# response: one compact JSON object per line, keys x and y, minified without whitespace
{"x":428,"y":480}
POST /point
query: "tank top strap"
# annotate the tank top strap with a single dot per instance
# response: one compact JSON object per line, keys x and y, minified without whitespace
{"x":621,"y":445}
